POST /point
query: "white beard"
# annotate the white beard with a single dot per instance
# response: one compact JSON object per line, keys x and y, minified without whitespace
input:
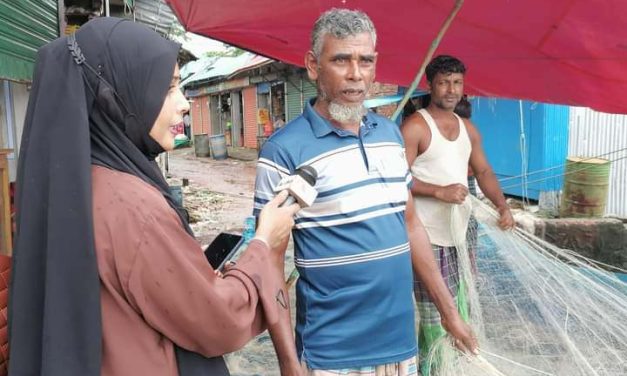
{"x":347,"y":114}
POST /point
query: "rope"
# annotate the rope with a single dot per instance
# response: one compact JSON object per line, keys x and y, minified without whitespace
{"x":523,"y":157}
{"x":561,"y":165}
{"x":512,"y":362}
{"x":560,"y":175}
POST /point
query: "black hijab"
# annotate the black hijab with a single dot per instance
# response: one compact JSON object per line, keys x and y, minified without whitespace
{"x":94,"y":99}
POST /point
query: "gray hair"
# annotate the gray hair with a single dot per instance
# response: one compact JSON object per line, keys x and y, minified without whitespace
{"x":340,"y":23}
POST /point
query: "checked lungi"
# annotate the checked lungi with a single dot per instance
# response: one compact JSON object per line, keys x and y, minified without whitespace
{"x":430,"y":322}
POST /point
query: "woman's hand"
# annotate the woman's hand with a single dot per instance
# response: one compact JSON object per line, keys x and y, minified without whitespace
{"x":275,"y":222}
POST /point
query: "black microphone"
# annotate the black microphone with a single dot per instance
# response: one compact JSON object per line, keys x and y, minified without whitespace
{"x":300,"y":187}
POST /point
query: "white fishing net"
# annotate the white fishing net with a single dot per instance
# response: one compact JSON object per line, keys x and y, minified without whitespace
{"x":536,"y":309}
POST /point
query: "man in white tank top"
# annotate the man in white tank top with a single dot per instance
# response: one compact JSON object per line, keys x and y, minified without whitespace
{"x":439,"y":147}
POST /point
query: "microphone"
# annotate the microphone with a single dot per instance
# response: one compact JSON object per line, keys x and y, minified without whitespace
{"x":300,"y":187}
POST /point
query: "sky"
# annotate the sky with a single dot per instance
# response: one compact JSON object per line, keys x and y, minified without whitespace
{"x":198,"y":44}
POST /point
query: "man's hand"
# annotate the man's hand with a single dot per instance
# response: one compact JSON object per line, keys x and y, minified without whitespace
{"x":506,"y":220}
{"x":454,"y":193}
{"x":275,"y":223}
{"x":464,"y":338}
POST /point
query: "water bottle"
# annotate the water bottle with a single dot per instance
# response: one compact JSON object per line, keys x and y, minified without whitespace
{"x":249,"y":228}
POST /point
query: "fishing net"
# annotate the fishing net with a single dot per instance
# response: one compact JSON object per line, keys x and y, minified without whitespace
{"x":535,"y":308}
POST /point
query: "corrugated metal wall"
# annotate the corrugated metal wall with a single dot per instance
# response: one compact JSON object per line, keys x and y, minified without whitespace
{"x":309,"y":91}
{"x":299,"y":91}
{"x":599,"y":134}
{"x":292,"y":98}
{"x":555,"y":137}
{"x":26,"y":26}
{"x":539,"y":146}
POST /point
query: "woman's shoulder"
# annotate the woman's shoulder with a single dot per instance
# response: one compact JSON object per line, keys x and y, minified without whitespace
{"x":120,"y":192}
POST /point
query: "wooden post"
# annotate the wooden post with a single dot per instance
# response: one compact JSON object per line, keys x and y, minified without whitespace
{"x":427,"y":59}
{"x":6,"y":242}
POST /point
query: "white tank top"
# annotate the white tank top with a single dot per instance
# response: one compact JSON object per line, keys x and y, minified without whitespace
{"x":444,"y":162}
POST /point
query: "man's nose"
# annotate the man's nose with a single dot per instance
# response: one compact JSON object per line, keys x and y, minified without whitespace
{"x":354,"y":71}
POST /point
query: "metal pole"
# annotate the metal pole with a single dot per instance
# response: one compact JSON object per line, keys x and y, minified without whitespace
{"x":428,"y":56}
{"x":106,"y":8}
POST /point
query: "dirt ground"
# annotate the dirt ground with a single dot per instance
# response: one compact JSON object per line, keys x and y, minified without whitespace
{"x":220,"y":193}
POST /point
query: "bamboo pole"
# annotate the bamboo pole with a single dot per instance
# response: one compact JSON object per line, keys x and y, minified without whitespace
{"x":428,"y":57}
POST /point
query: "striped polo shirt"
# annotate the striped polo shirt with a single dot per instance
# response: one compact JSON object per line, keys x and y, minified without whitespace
{"x":354,"y":303}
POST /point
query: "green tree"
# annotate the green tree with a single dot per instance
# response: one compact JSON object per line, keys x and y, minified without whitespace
{"x":230,"y":51}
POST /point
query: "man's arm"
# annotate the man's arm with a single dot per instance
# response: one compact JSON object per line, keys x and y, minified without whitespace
{"x":415,"y":130}
{"x":486,"y":178}
{"x":282,"y":334}
{"x":425,"y":267}
{"x":272,"y":166}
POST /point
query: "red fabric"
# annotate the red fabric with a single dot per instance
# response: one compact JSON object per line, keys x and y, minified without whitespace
{"x":560,"y":51}
{"x":5,"y":277}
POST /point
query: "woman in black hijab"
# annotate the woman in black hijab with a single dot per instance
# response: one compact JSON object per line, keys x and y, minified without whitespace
{"x":107,"y":278}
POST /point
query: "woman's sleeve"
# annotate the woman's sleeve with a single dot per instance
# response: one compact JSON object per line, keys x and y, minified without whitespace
{"x":177,"y":292}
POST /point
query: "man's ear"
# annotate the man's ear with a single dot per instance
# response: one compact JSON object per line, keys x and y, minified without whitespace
{"x":374,"y":73}
{"x":311,"y":63}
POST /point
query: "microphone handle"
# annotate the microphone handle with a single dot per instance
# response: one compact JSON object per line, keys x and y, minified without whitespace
{"x":288,"y":201}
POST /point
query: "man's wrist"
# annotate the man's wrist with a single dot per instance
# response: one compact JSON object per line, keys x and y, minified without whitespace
{"x":502,"y":208}
{"x":437,"y":193}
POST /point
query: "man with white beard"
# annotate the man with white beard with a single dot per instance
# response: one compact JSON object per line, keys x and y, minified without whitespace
{"x":356,"y":246}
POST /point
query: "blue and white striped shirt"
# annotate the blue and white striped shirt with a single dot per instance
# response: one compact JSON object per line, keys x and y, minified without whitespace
{"x":354,"y":296}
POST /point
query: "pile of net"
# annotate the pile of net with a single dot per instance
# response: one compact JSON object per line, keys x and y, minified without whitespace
{"x":536,"y":309}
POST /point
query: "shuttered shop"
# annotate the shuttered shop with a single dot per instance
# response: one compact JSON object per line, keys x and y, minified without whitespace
{"x":26,"y":26}
{"x":299,"y":91}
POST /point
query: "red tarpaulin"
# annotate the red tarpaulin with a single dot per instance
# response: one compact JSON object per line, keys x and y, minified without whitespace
{"x":558,"y":51}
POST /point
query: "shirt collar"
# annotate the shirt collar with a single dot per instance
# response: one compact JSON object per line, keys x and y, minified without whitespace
{"x":322,"y":127}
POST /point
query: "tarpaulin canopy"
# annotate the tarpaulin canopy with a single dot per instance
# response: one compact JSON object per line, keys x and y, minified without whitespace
{"x":558,"y":51}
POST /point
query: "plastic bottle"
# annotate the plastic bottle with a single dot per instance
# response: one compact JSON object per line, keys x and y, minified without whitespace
{"x":249,"y":228}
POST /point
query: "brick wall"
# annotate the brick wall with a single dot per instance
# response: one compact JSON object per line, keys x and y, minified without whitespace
{"x":387,"y":111}
{"x":199,"y":111}
{"x":379,"y":90}
{"x":249,"y":99}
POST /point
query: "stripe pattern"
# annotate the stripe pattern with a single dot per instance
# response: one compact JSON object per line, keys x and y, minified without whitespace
{"x":346,"y":260}
{"x":350,"y":247}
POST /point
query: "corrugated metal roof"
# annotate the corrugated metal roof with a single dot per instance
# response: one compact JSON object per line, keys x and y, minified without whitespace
{"x":255,"y":62}
{"x":196,"y":66}
{"x":597,"y":134}
{"x":157,"y":15}
{"x":221,"y":67}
